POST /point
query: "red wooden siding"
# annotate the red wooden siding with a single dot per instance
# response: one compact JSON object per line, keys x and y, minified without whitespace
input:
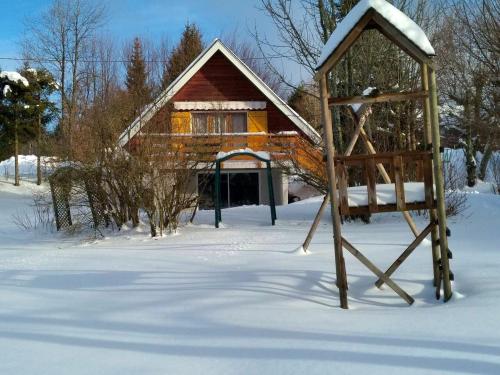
{"x":219,"y":79}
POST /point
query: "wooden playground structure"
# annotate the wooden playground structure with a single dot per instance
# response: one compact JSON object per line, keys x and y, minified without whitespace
{"x":389,"y":167}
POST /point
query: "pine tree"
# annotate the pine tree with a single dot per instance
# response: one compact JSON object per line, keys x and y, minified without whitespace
{"x":25,"y":110}
{"x":40,"y":109}
{"x":13,"y":89}
{"x":189,"y":47}
{"x":136,"y":79}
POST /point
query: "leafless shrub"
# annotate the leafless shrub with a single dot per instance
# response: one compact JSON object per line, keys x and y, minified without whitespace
{"x":38,"y":217}
{"x":454,"y":181}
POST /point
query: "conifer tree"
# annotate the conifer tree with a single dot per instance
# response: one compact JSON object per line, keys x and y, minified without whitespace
{"x":25,"y":110}
{"x":40,"y":109}
{"x":189,"y":47}
{"x":13,"y":89}
{"x":136,"y":79}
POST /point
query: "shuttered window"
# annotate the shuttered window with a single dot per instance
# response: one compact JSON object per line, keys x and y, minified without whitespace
{"x":216,"y":123}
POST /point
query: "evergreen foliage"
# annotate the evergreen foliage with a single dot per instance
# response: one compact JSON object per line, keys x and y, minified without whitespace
{"x":189,"y":47}
{"x":136,"y":79}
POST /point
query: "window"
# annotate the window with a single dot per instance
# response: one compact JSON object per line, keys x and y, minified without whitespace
{"x":222,"y":122}
{"x":239,"y":122}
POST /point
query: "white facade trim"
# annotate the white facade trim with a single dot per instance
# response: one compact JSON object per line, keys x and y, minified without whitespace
{"x":219,"y":106}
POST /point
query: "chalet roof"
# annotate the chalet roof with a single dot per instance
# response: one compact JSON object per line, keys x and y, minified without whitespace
{"x":400,"y":21}
{"x":151,"y":109}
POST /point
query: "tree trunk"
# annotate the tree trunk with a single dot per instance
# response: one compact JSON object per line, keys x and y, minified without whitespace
{"x":38,"y":150}
{"x":470,"y":160}
{"x":483,"y":166}
{"x":16,"y":155}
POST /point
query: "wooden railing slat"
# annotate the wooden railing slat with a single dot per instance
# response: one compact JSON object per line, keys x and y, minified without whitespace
{"x":371,"y":186}
{"x":399,"y":182}
{"x":342,"y":188}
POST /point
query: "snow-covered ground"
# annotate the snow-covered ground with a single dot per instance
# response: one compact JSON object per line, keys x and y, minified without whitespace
{"x":240,"y":300}
{"x":27,"y":167}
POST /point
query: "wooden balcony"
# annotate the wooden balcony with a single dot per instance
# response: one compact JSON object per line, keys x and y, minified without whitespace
{"x":281,"y":147}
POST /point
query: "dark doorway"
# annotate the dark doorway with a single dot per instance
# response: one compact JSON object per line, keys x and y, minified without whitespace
{"x":237,"y":189}
{"x":243,"y":189}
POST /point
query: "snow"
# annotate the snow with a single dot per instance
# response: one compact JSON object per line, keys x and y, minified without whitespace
{"x":386,"y":194}
{"x":244,"y":298}
{"x":27,"y":166}
{"x":366,"y":92}
{"x":6,"y":90}
{"x":33,"y":71}
{"x":260,"y":154}
{"x":390,"y":13}
{"x":14,"y":77}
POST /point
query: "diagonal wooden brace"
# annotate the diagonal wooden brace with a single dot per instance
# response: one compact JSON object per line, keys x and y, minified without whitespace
{"x":406,"y":253}
{"x":366,"y":262}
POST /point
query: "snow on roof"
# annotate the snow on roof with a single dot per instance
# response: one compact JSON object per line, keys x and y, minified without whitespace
{"x":14,"y":77}
{"x":261,"y":154}
{"x":188,"y":73}
{"x":390,"y":13}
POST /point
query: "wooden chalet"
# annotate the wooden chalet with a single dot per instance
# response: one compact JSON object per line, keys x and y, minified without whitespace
{"x":219,"y":103}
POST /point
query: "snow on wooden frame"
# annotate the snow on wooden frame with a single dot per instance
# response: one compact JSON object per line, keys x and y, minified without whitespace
{"x":261,"y":154}
{"x":390,"y":13}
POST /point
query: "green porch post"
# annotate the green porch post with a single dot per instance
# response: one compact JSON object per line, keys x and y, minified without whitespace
{"x":217,"y":195}
{"x":270,"y":188}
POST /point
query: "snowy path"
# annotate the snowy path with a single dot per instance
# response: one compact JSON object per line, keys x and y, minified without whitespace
{"x":239,"y":300}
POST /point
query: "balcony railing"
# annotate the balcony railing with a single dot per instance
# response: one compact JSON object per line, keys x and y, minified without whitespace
{"x":204,"y":147}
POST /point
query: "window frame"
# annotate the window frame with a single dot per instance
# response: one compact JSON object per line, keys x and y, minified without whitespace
{"x":214,"y":115}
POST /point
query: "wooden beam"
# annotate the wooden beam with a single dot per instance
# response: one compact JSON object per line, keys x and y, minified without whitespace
{"x":428,"y":141}
{"x":439,"y":182}
{"x":315,"y":224}
{"x":399,"y":182}
{"x":344,"y":46}
{"x":332,"y":187}
{"x":394,"y":266}
{"x":342,"y":187}
{"x":366,"y":262}
{"x":398,"y":38}
{"x":371,"y":185}
{"x":379,"y":98}
{"x":360,"y":122}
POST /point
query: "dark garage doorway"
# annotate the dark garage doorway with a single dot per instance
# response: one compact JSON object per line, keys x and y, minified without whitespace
{"x":237,"y":189}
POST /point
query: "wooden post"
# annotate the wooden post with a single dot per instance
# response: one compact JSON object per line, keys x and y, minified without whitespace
{"x":332,"y":185}
{"x":270,"y":187}
{"x":217,"y":194}
{"x":315,"y":224}
{"x":438,"y":180}
{"x":428,"y":141}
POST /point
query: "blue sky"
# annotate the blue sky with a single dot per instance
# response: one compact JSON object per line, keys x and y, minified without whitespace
{"x":147,"y":18}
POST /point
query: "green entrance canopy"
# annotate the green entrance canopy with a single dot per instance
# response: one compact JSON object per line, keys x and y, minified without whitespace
{"x":272,"y":204}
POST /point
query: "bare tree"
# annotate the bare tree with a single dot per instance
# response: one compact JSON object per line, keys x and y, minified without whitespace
{"x":469,"y":67}
{"x":59,"y":40}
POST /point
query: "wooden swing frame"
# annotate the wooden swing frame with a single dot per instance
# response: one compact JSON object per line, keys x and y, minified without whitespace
{"x":336,"y":176}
